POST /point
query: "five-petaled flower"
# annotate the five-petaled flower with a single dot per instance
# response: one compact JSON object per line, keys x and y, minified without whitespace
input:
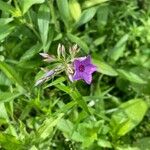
{"x":83,"y":69}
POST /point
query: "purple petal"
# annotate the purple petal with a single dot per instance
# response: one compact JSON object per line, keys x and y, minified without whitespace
{"x":87,"y":78}
{"x":90,"y":69}
{"x":81,"y":58}
{"x":77,"y":76}
{"x":87,"y":61}
{"x":76,"y":64}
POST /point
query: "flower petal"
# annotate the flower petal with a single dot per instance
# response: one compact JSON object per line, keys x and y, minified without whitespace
{"x":87,"y":78}
{"x":76,"y":64}
{"x":87,"y":60}
{"x":77,"y":76}
{"x":90,"y":69}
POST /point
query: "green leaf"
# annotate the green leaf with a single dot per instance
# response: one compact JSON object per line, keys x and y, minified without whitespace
{"x":86,"y":16}
{"x":8,"y":96}
{"x":99,"y":40}
{"x":75,"y":9}
{"x":26,"y":4}
{"x":5,"y":30}
{"x":128,"y":116}
{"x":75,"y":95}
{"x":4,"y":21}
{"x":63,"y":7}
{"x":119,"y":48}
{"x":132,"y":77}
{"x":31,"y":52}
{"x":78,"y":41}
{"x":104,"y":143}
{"x":47,"y":127}
{"x":10,"y":142}
{"x":3,"y":112}
{"x":6,"y":7}
{"x":11,"y":73}
{"x":90,"y":3}
{"x":43,"y":22}
{"x":104,"y":68}
{"x":57,"y":81}
{"x":102,"y":16}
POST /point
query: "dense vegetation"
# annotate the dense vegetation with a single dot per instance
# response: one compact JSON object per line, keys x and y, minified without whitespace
{"x":110,"y":113}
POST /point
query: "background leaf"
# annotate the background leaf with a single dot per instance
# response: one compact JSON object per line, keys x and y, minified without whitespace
{"x":128,"y":116}
{"x":43,"y":22}
{"x":26,"y":4}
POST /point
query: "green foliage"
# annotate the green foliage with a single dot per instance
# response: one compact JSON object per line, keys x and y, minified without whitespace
{"x":112,"y":112}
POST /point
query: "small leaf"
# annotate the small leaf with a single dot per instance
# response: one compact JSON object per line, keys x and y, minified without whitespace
{"x":104,"y":68}
{"x":86,"y":16}
{"x":128,"y":116}
{"x":47,"y":127}
{"x":11,"y":73}
{"x":104,"y":143}
{"x":7,"y":96}
{"x":3,"y":112}
{"x":119,"y":48}
{"x":26,"y":4}
{"x":35,"y":49}
{"x":75,"y":9}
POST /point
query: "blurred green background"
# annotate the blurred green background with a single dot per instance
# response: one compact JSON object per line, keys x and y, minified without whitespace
{"x":112,"y":112}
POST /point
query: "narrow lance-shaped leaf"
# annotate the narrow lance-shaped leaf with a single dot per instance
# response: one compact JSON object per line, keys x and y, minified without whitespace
{"x":5,"y":30}
{"x":75,"y":95}
{"x":63,"y":7}
{"x":131,"y":76}
{"x":119,"y":48}
{"x":86,"y":16}
{"x":11,"y":73}
{"x":47,"y":127}
{"x":43,"y":22}
{"x":8,"y":96}
{"x":35,"y":49}
{"x":75,"y":9}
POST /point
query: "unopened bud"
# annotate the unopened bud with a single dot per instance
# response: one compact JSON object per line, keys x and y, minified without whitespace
{"x":63,"y":52}
{"x":59,"y":51}
{"x":74,"y":50}
{"x":47,"y":57}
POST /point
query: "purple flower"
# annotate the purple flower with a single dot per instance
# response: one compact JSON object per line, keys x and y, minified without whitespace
{"x":84,"y":69}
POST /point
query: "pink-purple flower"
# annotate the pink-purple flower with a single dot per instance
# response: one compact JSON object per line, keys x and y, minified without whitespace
{"x":84,"y":69}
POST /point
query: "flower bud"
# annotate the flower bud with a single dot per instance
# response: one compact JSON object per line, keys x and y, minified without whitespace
{"x":47,"y":57}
